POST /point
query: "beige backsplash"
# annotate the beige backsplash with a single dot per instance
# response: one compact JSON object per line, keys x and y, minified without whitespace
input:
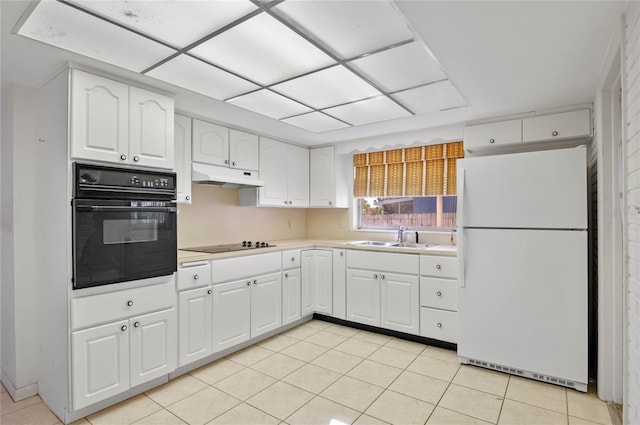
{"x":214,"y":217}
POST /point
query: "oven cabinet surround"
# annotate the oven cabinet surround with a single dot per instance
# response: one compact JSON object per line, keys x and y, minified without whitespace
{"x":383,"y":290}
{"x":182,"y":156}
{"x":327,"y":179}
{"x":541,"y":128}
{"x":291,"y":286}
{"x":317,"y":281}
{"x":120,"y":340}
{"x":284,"y":168}
{"x":439,"y":298}
{"x":247,"y":298}
{"x":217,"y":145}
{"x":120,"y":124}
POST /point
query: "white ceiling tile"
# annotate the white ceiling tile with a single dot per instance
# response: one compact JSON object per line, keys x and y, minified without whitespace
{"x":401,"y":67}
{"x":63,"y":26}
{"x":316,"y":122}
{"x":263,"y":50}
{"x":329,"y":87}
{"x":179,"y":23}
{"x":195,"y":75}
{"x":433,"y":97}
{"x":367,"y":111}
{"x":270,"y":104}
{"x":349,"y":28}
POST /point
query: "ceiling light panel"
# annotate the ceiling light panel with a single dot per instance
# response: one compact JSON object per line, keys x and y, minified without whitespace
{"x":328,"y":87}
{"x":200,"y":77}
{"x":433,"y":97}
{"x":367,"y":111}
{"x":268,"y":103}
{"x":402,"y":67}
{"x":349,"y":28}
{"x":316,"y":122}
{"x":263,"y":50}
{"x":178,"y":23}
{"x":68,"y":28}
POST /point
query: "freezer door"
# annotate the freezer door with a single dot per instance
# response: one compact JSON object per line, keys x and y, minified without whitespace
{"x":540,"y":190}
{"x":524,"y":301}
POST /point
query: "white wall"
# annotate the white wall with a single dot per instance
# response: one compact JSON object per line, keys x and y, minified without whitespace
{"x":18,"y":331}
{"x":631,"y":96}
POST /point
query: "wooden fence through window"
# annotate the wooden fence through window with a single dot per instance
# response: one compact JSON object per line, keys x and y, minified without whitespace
{"x":408,"y":220}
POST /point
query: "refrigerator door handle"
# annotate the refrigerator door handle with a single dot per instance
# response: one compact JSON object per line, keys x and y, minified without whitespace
{"x":460,"y":216}
{"x":461,"y":280}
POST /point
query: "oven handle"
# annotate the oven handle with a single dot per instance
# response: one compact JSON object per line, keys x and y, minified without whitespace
{"x":124,"y":208}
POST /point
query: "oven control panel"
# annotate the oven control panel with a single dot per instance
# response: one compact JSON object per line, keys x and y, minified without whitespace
{"x":111,"y":182}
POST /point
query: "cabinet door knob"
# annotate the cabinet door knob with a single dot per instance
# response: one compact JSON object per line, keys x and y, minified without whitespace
{"x":196,"y":277}
{"x":136,"y":324}
{"x":439,"y":293}
{"x":188,"y":198}
{"x":226,"y":161}
{"x":438,"y":266}
{"x":286,"y":275}
{"x":209,"y":292}
{"x":248,"y":283}
{"x":293,"y":259}
{"x":554,"y":133}
{"x":123,"y":328}
{"x":341,"y":253}
{"x":439,"y":325}
{"x":375,"y":276}
{"x":255,"y":282}
{"x":234,"y":163}
{"x":492,"y":140}
{"x":381,"y":276}
{"x":136,"y":158}
{"x":330,"y":203}
{"x":129,"y":303}
{"x":123,"y":157}
{"x":286,"y":202}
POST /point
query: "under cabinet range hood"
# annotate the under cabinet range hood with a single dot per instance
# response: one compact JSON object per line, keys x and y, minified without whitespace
{"x":216,"y":175}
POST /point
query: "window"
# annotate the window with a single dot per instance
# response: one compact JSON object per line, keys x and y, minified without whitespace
{"x":413,"y":187}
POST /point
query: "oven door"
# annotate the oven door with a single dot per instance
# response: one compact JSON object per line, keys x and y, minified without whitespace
{"x":122,"y":240}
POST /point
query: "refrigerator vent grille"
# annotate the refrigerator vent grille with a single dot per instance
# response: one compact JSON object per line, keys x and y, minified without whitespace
{"x":497,"y":367}
{"x":513,"y":371}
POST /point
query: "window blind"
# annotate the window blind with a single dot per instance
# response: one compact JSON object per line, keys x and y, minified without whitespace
{"x":416,"y":171}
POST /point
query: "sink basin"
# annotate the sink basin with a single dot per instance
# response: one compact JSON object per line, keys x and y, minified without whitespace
{"x":374,"y":243}
{"x":411,"y":245}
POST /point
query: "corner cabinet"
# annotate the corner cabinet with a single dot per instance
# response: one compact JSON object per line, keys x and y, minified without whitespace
{"x":182,"y":144}
{"x":317,"y":281}
{"x":328,"y":179}
{"x":121,"y":124}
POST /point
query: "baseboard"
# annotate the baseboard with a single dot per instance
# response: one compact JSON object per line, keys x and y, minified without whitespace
{"x":18,"y":394}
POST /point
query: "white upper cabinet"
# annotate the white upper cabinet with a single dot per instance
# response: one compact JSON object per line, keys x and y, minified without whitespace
{"x":497,"y":133}
{"x":117,"y":123}
{"x":566,"y":125}
{"x":328,"y":179}
{"x":217,"y":145}
{"x":182,"y":157}
{"x":297,"y":176}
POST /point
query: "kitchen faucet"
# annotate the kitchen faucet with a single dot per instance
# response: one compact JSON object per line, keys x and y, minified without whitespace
{"x":400,"y":233}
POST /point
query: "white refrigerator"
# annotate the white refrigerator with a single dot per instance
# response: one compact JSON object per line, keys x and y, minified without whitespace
{"x":522,"y":251}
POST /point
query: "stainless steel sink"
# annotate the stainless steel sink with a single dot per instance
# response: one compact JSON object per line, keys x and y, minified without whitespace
{"x":373,"y":243}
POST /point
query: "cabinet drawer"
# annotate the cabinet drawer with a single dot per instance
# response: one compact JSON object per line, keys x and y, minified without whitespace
{"x":431,"y":265}
{"x":291,"y":259}
{"x":250,"y":265}
{"x":565,"y":125}
{"x":383,"y":261}
{"x":439,"y":324}
{"x":439,"y":293}
{"x":498,"y":133}
{"x":112,"y":306}
{"x":194,"y":274}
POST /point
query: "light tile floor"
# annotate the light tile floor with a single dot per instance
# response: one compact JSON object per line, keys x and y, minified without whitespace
{"x":321,"y":373}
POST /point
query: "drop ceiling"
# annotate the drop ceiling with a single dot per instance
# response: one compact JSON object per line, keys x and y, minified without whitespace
{"x":316,"y":72}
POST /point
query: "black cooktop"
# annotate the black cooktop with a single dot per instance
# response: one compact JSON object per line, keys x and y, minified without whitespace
{"x":241,"y":246}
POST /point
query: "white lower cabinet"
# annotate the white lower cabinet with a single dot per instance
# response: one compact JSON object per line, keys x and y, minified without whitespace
{"x":291,"y":296}
{"x":152,"y":345}
{"x":439,"y":298}
{"x":195,"y":324}
{"x":400,"y":310}
{"x":317,"y":281}
{"x":266,"y":304}
{"x":363,"y":297}
{"x":340,"y":283}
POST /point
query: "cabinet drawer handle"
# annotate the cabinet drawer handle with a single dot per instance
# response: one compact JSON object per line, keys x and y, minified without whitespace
{"x":492,"y":140}
{"x":381,"y":276}
{"x":330,"y":203}
{"x":439,"y":293}
{"x":209,"y":292}
{"x":375,"y":276}
{"x":286,"y":275}
{"x":438,"y":267}
{"x":293,"y":259}
{"x":439,"y":325}
{"x":554,"y":133}
{"x":136,"y":159}
{"x":123,"y":157}
{"x":123,"y":328}
{"x":196,"y":277}
{"x":226,"y":161}
{"x":136,"y":324}
{"x":248,"y":283}
{"x":129,"y":303}
{"x":234,"y":163}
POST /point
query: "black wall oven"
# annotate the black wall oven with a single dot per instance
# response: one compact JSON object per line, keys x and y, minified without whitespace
{"x":124,"y":225}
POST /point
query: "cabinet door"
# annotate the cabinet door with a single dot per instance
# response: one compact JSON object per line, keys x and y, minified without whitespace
{"x":273,"y":173}
{"x":565,"y":125}
{"x":231,"y":314}
{"x":194,"y":324}
{"x":322,"y":187}
{"x":151,"y":119}
{"x":182,"y":157}
{"x":323,"y":281}
{"x":298,"y":177}
{"x":99,"y":118}
{"x":243,"y":150}
{"x":210,"y":143}
{"x":492,"y":134}
{"x":308,"y":266}
{"x":363,"y":297}
{"x":266,"y":303}
{"x":153,"y":346}
{"x":339,"y":283}
{"x":400,"y":303}
{"x":291,"y":285}
{"x":100,"y":363}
